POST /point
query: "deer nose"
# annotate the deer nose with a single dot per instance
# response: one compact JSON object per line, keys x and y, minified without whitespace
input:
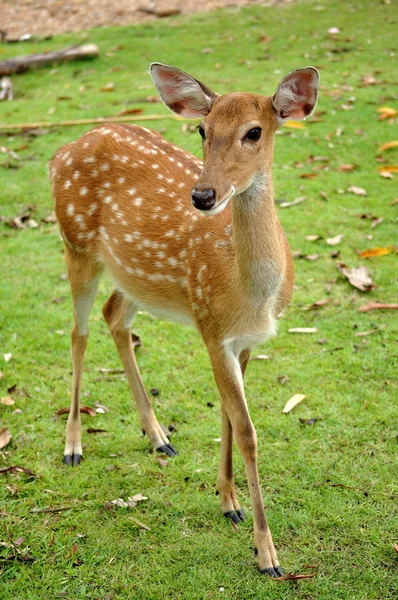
{"x":203,"y":199}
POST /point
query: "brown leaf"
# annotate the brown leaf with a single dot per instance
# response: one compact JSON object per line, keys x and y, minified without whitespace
{"x":130,"y":111}
{"x":5,"y":437}
{"x":308,"y":175}
{"x":377,"y":305}
{"x":318,"y":304}
{"x":293,"y":577}
{"x":16,"y":469}
{"x":353,"y":189}
{"x":388,"y":169}
{"x":347,"y":168}
{"x":108,"y":87}
{"x":83,"y":409}
{"x":335,"y":240}
{"x":7,"y":401}
{"x":371,"y":252}
{"x":386,"y":112}
{"x":358,"y":277}
{"x":92,"y":430}
{"x":388,"y":146}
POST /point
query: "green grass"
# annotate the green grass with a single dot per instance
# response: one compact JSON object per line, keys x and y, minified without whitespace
{"x":350,"y":382}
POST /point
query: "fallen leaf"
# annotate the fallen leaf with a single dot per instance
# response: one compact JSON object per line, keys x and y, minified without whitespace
{"x":335,"y":240}
{"x":92,"y":430}
{"x":130,"y":111}
{"x":8,"y":356}
{"x":16,"y":469}
{"x":395,"y":546}
{"x":377,"y":305}
{"x":83,"y":409}
{"x":347,"y":168}
{"x":386,"y":112}
{"x":260,"y":357}
{"x":293,"y":203}
{"x":7,"y":401}
{"x":353,"y":189}
{"x":318,"y":304}
{"x":358,"y":277}
{"x":294,"y":400}
{"x":100,"y":408}
{"x":303,"y":330}
{"x":5,"y":437}
{"x":371,"y":252}
{"x":108,"y":87}
{"x":370,"y":332}
{"x":308,"y":175}
{"x":294,"y":124}
{"x":388,"y":169}
{"x":311,"y":257}
{"x":293,"y":577}
{"x":20,"y":540}
{"x":388,"y":146}
{"x":386,"y":175}
{"x":51,"y":218}
{"x":377,"y":222}
{"x":393,"y":202}
{"x":308,"y":421}
{"x":312,"y":238}
{"x":333,"y":30}
{"x":162,"y":462}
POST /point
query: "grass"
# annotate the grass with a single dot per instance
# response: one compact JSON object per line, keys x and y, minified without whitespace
{"x":190,"y":552}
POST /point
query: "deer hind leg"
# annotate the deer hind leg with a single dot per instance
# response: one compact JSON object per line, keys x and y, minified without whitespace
{"x":83,"y":277}
{"x":228,"y":376}
{"x":225,"y":480}
{"x":119,"y":312}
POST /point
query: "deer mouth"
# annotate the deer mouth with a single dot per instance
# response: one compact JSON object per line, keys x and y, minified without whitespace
{"x":222,"y":204}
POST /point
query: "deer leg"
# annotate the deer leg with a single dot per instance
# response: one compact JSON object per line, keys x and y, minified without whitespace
{"x":225,"y":480}
{"x":228,"y":376}
{"x":119,"y":313}
{"x":83,"y":278}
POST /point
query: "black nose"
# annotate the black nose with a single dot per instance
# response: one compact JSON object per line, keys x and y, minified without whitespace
{"x":203,"y":199}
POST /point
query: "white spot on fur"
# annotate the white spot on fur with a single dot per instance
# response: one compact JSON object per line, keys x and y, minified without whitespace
{"x":83,"y":191}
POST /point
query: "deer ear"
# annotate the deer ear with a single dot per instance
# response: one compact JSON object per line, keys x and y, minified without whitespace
{"x":180,"y":92}
{"x":297,"y":95}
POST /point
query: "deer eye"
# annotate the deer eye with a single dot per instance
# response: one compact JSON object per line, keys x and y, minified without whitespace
{"x":253,"y":134}
{"x":201,"y":132}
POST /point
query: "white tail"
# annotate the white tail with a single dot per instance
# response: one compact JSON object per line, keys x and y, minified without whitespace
{"x":132,"y":203}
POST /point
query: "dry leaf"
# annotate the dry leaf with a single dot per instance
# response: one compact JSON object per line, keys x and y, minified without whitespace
{"x":388,"y":169}
{"x":130,"y":111}
{"x":293,"y":203}
{"x":308,"y":175}
{"x":7,"y":401}
{"x":109,"y":87}
{"x":318,"y":304}
{"x":293,"y":577}
{"x":294,"y":124}
{"x":260,"y":357}
{"x":370,"y":332}
{"x":83,"y":409}
{"x":5,"y":437}
{"x":358,"y":277}
{"x":294,"y":400}
{"x":376,"y":252}
{"x":16,"y":469}
{"x":312,"y":238}
{"x":386,"y":175}
{"x":388,"y":146}
{"x":386,"y":112}
{"x":377,"y":305}
{"x":92,"y":430}
{"x":303,"y":330}
{"x":7,"y":357}
{"x":335,"y":240}
{"x":347,"y":168}
{"x":311,"y":257}
{"x":357,"y":190}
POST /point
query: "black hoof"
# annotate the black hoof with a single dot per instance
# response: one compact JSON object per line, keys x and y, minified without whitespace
{"x":72,"y":459}
{"x":271,"y":572}
{"x":241,"y":514}
{"x":167,"y":449}
{"x":232,"y":516}
{"x":279,"y":571}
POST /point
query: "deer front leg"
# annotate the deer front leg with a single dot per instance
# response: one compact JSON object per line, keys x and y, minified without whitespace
{"x":225,"y":480}
{"x":228,"y":376}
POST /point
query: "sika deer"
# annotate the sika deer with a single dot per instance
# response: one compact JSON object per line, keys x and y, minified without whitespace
{"x":124,"y":197}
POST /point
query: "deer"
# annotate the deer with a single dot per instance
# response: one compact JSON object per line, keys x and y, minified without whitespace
{"x":191,"y":241}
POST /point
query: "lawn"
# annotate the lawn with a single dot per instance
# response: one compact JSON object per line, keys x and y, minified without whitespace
{"x":330,"y":486}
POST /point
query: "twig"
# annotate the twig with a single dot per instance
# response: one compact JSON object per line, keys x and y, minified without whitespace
{"x":126,"y":119}
{"x":50,"y":510}
{"x":18,"y":64}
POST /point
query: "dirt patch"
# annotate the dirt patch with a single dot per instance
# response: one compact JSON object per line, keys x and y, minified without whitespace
{"x":49,"y":17}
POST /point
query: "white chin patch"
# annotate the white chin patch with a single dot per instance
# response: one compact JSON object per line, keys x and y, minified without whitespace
{"x":221,"y":205}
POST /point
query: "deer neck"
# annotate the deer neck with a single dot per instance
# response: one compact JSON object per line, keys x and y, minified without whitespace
{"x":258,"y":248}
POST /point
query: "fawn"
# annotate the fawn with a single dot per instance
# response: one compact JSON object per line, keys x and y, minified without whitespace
{"x":130,"y":202}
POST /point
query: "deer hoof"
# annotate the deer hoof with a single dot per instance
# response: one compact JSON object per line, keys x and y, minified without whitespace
{"x":72,"y":459}
{"x":273,"y":572}
{"x":167,"y":449}
{"x":235,"y":517}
